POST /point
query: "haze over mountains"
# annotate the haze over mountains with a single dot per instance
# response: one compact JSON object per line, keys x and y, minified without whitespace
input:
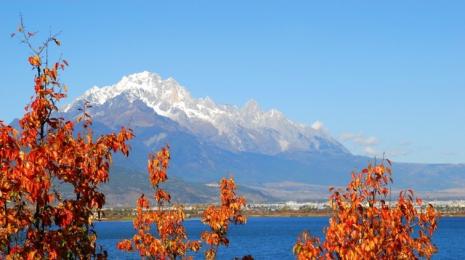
{"x":271,"y":157}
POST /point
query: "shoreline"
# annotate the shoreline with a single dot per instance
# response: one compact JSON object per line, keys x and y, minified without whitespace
{"x":283,"y":215}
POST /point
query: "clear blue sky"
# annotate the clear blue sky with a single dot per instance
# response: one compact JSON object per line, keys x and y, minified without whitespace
{"x":381,"y":76}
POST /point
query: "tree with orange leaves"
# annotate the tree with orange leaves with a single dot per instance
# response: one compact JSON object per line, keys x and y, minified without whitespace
{"x":366,"y":226}
{"x":172,"y":238}
{"x":219,"y":217}
{"x":36,"y":220}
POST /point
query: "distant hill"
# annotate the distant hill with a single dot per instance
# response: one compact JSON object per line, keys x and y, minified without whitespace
{"x":271,"y":157}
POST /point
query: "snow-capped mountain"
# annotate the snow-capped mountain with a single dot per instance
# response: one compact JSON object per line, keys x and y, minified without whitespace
{"x":240,"y":129}
{"x":271,"y":157}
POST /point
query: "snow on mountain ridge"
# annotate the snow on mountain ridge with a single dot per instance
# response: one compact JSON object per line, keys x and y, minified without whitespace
{"x":246,"y":128}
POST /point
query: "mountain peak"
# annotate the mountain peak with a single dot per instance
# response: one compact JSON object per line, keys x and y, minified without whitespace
{"x":236,"y":129}
{"x":252,"y":105}
{"x":146,"y":86}
{"x":143,"y":76}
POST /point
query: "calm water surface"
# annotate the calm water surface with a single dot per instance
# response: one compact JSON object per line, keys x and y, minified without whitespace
{"x":273,"y":238}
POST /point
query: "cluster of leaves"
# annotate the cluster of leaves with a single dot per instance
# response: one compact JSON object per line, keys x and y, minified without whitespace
{"x":36,"y":220}
{"x":366,"y":226}
{"x":219,"y":217}
{"x":172,"y":239}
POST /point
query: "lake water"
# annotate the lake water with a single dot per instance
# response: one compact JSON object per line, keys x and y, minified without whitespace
{"x":273,"y":238}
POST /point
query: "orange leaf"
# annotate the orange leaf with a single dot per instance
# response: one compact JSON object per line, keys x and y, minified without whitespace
{"x":34,"y":60}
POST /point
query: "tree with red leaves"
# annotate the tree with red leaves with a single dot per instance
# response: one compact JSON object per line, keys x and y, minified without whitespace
{"x":171,"y":241}
{"x":365,"y":225}
{"x":36,"y":220}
